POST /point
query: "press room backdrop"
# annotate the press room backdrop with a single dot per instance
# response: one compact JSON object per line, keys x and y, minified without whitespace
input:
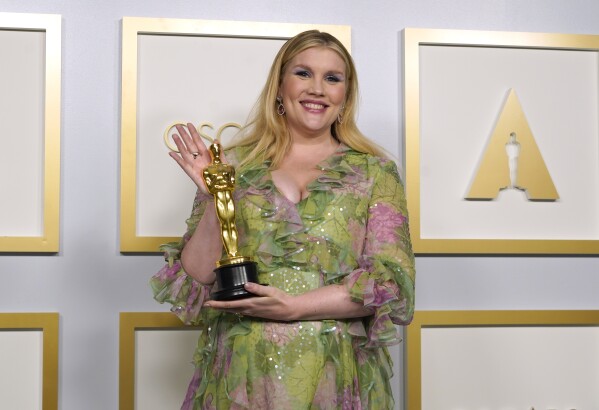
{"x":89,"y":282}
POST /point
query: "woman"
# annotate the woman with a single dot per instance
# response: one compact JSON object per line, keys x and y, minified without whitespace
{"x":324,"y":214}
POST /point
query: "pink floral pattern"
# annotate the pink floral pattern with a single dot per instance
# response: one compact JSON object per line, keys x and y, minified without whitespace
{"x":384,"y":222}
{"x":279,"y":334}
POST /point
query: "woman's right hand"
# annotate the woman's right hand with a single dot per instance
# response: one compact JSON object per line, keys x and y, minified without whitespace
{"x":193,"y":156}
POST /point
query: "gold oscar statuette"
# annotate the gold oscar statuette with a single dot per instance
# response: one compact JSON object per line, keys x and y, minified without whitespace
{"x":234,"y":270}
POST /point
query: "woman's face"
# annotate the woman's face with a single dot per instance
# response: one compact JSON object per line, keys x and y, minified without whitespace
{"x":313,"y":91}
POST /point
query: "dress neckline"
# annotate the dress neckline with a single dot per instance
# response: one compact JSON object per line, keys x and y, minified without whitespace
{"x":323,"y":166}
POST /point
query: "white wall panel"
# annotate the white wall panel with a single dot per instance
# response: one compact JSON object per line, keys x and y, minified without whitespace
{"x":163,"y":367}
{"x":510,"y":368}
{"x":22,"y":73}
{"x":21,"y":369}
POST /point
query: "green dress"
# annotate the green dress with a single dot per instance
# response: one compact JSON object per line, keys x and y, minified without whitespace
{"x":351,"y":229}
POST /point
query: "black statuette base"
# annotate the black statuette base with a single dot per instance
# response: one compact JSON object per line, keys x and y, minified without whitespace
{"x":231,"y":278}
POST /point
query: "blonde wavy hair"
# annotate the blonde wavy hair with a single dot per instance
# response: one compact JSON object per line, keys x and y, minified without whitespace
{"x":268,"y":132}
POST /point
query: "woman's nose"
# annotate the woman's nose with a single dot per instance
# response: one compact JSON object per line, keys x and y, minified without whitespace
{"x":316,"y":87}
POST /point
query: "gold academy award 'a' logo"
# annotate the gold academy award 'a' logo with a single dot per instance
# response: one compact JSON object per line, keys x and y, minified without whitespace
{"x":512,"y":160}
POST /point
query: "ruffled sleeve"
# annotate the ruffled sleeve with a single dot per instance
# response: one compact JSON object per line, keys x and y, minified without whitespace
{"x":384,"y":280}
{"x":171,"y":284}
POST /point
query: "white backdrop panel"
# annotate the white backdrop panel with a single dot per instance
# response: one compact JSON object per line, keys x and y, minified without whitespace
{"x":462,"y":93}
{"x":510,"y":368}
{"x":21,"y":365}
{"x":22,"y":86}
{"x":163,"y":367}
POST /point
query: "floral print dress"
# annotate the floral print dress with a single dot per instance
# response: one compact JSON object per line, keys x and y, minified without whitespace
{"x":351,"y":229}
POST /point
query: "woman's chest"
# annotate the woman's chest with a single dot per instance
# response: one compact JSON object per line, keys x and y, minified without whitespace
{"x":336,"y":216}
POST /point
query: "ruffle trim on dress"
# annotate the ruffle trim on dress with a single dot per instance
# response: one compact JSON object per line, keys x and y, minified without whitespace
{"x":282,"y":244}
{"x":172,"y":285}
{"x":383,"y":299}
{"x":212,"y":362}
{"x":285,"y":243}
{"x":361,"y":390}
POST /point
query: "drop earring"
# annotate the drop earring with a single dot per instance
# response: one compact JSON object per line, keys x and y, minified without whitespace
{"x":280,"y":106}
{"x":340,"y":115}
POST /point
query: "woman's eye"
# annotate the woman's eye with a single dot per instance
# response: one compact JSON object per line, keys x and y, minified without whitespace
{"x":302,"y":73}
{"x":332,"y":78}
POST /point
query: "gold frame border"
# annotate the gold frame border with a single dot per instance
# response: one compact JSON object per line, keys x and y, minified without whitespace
{"x":51,"y":25}
{"x":132,"y":28}
{"x":130,"y":322}
{"x":48,"y":324}
{"x":477,"y":318}
{"x":412,"y":39}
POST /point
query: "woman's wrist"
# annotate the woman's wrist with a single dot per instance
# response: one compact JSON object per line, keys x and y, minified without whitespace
{"x":296,"y":312}
{"x":200,"y":253}
{"x":328,"y":302}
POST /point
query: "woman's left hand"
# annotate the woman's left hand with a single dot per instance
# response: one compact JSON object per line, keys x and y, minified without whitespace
{"x":269,"y":303}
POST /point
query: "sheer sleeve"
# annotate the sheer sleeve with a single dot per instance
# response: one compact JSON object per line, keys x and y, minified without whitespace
{"x":384,"y":280}
{"x":171,"y":284}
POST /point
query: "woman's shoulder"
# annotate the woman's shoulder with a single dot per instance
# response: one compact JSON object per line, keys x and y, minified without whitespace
{"x":237,"y":153}
{"x":371,"y":162}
